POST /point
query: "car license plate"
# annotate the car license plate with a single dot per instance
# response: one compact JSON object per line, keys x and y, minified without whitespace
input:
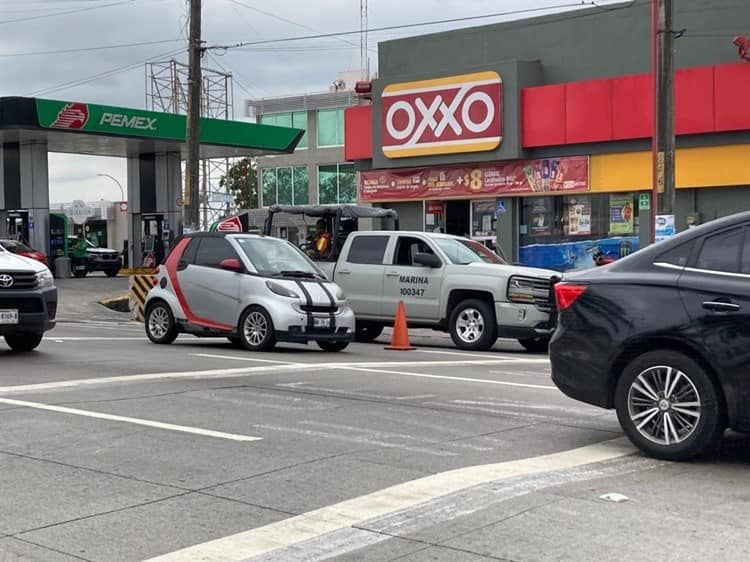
{"x":8,"y":317}
{"x":322,"y":322}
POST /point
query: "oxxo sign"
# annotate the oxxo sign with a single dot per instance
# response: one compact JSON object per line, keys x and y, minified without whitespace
{"x":442,"y":116}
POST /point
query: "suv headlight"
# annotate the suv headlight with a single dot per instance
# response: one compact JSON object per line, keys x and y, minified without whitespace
{"x":281,"y":290}
{"x":44,"y":279}
{"x":521,"y":289}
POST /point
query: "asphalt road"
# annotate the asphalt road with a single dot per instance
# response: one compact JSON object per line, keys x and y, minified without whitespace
{"x":112,"y":448}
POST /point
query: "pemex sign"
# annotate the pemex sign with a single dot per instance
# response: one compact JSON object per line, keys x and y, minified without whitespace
{"x":109,"y":120}
{"x":448,"y":115}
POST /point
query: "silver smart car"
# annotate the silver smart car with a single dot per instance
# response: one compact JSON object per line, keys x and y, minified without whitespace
{"x":254,"y":290}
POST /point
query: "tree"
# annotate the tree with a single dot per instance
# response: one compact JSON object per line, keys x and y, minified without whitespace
{"x":242,"y":182}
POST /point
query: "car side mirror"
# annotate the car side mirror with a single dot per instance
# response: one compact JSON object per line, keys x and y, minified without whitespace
{"x":428,"y":260}
{"x":232,"y":264}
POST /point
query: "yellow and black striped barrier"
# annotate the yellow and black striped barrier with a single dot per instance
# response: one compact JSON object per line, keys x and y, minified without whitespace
{"x":140,"y":285}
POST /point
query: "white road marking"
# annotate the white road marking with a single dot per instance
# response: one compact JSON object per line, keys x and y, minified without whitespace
{"x":445,"y":377}
{"x":239,"y":372}
{"x":354,"y":512}
{"x":124,"y":419}
{"x":235,"y":358}
{"x":96,"y":338}
{"x":464,"y":354}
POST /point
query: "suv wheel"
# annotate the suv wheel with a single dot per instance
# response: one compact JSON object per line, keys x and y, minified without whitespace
{"x":112,"y":272}
{"x":668,"y":406}
{"x":160,"y":325}
{"x":333,"y":346}
{"x":535,"y":345}
{"x":256,"y":330}
{"x":25,"y":343}
{"x":367,"y":332}
{"x":473,"y":326}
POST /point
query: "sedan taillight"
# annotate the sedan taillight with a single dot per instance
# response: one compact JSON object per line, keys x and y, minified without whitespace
{"x":566,"y":294}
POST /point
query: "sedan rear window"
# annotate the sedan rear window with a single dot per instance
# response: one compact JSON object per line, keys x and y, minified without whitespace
{"x":679,"y":255}
{"x":721,"y":252}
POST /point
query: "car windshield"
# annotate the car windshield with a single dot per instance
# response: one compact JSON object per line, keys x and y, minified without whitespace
{"x":271,"y":256}
{"x":463,"y":252}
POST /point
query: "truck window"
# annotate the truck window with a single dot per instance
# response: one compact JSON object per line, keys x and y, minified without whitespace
{"x":368,"y":249}
{"x":461,"y":251}
{"x":407,"y":247}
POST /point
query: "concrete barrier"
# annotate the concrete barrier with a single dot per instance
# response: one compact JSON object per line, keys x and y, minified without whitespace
{"x":140,"y":285}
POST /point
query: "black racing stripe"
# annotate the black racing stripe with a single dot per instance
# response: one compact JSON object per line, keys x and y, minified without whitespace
{"x":333,"y":304}
{"x":308,"y":298}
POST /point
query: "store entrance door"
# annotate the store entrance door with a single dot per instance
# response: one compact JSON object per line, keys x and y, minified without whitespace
{"x":457,"y":219}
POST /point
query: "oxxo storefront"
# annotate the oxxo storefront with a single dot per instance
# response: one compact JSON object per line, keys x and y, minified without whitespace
{"x":547,"y":148}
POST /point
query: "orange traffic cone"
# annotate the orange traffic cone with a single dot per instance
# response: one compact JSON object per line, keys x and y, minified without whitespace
{"x":400,"y":338}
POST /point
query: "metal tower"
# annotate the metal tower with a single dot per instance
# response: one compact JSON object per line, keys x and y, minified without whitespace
{"x":363,"y":58}
{"x":166,"y":91}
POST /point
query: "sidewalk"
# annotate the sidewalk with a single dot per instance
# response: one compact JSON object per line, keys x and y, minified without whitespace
{"x":79,"y":298}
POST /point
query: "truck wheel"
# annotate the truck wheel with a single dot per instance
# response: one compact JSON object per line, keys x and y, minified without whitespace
{"x":367,"y":332}
{"x":256,"y":330}
{"x":668,"y":406}
{"x":333,"y":346}
{"x":25,"y":343}
{"x":535,"y":345}
{"x":473,"y":325}
{"x":160,"y":325}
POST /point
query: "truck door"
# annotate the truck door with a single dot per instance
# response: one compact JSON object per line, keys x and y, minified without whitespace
{"x":417,"y":285}
{"x":360,"y":274}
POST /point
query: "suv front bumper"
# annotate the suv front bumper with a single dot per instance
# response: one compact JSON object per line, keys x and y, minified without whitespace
{"x":37,"y":310}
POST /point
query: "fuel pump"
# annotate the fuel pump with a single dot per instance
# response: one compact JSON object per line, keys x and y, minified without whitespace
{"x":18,"y":225}
{"x":153,"y":239}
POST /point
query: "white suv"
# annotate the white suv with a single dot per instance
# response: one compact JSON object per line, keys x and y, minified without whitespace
{"x":255,"y":290}
{"x":28,"y":301}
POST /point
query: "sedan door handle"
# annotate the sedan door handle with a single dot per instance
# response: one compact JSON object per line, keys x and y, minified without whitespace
{"x":721,"y":306}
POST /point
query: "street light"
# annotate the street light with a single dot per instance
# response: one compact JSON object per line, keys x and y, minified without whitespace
{"x":122,"y":192}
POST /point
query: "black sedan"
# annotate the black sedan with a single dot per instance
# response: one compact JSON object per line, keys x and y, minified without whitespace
{"x":663,"y":337}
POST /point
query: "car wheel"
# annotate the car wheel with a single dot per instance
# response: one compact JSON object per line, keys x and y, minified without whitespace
{"x":367,"y":332}
{"x":79,"y":274}
{"x":112,"y":272}
{"x":25,"y":343}
{"x":535,"y":345}
{"x":473,"y":326}
{"x":160,"y":325}
{"x":668,"y":406}
{"x":333,"y":346}
{"x":256,"y":330}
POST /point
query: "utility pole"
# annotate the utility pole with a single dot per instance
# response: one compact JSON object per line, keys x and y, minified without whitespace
{"x":192,"y":199}
{"x":664,"y":139}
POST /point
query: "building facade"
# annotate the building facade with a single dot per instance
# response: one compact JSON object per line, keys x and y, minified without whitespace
{"x":316,"y":173}
{"x":537,"y":132}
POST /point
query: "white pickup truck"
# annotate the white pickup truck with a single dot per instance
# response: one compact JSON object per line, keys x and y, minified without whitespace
{"x":447,"y":283}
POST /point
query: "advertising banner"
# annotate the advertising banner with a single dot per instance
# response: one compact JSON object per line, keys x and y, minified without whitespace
{"x":569,"y":174}
{"x":579,"y":216}
{"x":665,"y":227}
{"x":620,"y":214}
{"x":442,"y":116}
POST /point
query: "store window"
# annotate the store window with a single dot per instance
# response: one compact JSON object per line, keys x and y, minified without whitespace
{"x":483,"y":219}
{"x":337,"y":184}
{"x":285,"y":186}
{"x":563,"y":232}
{"x":331,"y":127}
{"x":296,"y":119}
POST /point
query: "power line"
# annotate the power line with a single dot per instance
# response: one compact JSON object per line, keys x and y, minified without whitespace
{"x":403,"y":26}
{"x":88,"y":49}
{"x":100,"y":75}
{"x":75,"y":11}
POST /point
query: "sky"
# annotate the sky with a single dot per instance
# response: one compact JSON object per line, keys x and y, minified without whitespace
{"x":34,"y":35}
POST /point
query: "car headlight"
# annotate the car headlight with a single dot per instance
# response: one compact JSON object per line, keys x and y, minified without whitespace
{"x":44,"y":279}
{"x":521,"y":289}
{"x":281,"y":290}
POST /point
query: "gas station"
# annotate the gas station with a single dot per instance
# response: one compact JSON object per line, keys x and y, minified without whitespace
{"x":152,"y":142}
